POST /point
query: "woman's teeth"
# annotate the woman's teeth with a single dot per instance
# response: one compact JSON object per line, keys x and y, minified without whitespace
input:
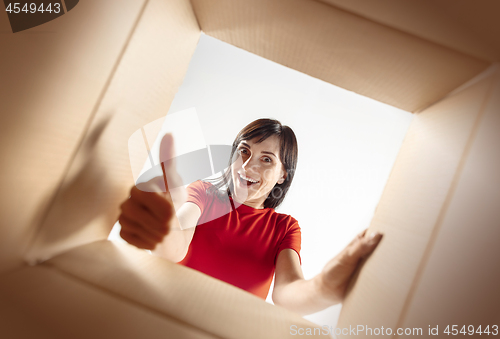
{"x":247,"y":181}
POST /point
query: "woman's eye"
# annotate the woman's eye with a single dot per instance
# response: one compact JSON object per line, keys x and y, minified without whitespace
{"x":267,"y":159}
{"x":242,"y":151}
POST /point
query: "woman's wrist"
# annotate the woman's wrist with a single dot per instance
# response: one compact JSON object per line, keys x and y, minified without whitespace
{"x":328,"y":289}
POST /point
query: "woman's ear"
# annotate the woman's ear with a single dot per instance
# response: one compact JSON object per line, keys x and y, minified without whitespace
{"x":283,"y":177}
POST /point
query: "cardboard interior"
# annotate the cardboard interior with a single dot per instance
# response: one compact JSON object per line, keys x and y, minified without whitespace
{"x":342,"y":48}
{"x":156,"y":289}
{"x":75,"y":89}
{"x":462,"y":253}
{"x":411,"y":213}
{"x":465,"y":26}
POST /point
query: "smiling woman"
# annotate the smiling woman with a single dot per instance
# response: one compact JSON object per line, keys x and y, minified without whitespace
{"x":239,"y":235}
{"x":230,"y":230}
{"x":263,"y":162}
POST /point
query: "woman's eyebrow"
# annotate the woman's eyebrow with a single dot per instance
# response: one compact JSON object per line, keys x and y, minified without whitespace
{"x":267,"y":152}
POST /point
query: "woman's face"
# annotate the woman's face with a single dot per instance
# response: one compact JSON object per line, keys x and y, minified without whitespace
{"x":256,"y":171}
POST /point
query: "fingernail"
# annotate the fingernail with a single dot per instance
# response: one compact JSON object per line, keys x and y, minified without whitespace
{"x":374,"y":234}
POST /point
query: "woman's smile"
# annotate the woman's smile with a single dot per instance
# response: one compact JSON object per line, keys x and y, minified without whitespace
{"x":246,"y":181}
{"x":256,"y":171}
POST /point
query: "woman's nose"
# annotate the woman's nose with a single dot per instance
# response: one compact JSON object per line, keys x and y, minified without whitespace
{"x":249,"y":163}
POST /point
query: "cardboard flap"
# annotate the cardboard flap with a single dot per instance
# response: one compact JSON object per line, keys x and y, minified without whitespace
{"x":341,"y":48}
{"x":181,"y":293}
{"x":44,"y":303}
{"x":52,"y":77}
{"x":459,"y":282}
{"x":140,"y":90}
{"x":470,"y":27}
{"x":412,"y":206}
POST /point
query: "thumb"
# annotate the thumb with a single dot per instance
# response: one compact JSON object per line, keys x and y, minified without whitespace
{"x":167,"y":162}
{"x":167,"y":154}
{"x":167,"y":149}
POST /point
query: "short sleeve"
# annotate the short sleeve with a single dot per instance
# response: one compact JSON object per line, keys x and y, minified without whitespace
{"x":292,"y":239}
{"x":197,"y":194}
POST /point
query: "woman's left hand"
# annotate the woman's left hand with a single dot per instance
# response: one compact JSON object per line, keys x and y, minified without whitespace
{"x":337,"y":273}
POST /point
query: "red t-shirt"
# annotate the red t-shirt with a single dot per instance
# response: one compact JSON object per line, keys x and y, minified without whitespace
{"x":238,"y":246}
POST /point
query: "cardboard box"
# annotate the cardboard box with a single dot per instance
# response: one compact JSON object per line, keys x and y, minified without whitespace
{"x":75,"y":89}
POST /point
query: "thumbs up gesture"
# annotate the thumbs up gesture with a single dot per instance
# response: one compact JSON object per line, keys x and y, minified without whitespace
{"x":172,"y":180}
{"x":149,"y":214}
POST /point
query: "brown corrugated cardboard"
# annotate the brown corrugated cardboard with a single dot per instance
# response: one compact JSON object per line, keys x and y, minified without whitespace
{"x":182,"y":293}
{"x":108,"y":68}
{"x":40,"y":302}
{"x":412,"y":206}
{"x":471,"y":27}
{"x":143,"y":86}
{"x":106,"y":289}
{"x":458,"y":284}
{"x":52,"y":78}
{"x":339,"y":47}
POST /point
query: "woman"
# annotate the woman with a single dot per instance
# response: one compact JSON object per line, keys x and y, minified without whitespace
{"x":229,"y":229}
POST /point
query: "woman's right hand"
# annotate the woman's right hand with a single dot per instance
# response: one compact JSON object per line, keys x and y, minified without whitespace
{"x":145,"y":218}
{"x":150,"y":212}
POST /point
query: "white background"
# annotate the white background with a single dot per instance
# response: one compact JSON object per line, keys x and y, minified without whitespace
{"x":347,"y":143}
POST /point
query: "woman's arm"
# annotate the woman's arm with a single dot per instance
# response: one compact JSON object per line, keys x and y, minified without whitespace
{"x":292,"y":291}
{"x":175,"y":245}
{"x":326,"y":289}
{"x":157,"y":216}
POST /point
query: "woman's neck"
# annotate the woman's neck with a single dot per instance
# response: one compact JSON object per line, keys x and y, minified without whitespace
{"x":254,"y":204}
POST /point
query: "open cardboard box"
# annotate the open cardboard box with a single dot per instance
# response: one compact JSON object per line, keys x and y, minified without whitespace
{"x":75,"y":89}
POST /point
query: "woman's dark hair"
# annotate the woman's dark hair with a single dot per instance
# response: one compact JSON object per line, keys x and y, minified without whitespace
{"x":262,"y":129}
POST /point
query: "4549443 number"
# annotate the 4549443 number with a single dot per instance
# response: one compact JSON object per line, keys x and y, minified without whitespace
{"x":33,"y":8}
{"x":471,"y":330}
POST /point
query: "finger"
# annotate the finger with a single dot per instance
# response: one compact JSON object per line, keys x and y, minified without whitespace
{"x":134,"y":228}
{"x":159,"y":204}
{"x":358,"y":237}
{"x":167,"y":154}
{"x":369,"y":243}
{"x":375,"y":236}
{"x":171,"y":177}
{"x":132,"y":210}
{"x":361,"y":247}
{"x":167,"y":149}
{"x":135,"y":240}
